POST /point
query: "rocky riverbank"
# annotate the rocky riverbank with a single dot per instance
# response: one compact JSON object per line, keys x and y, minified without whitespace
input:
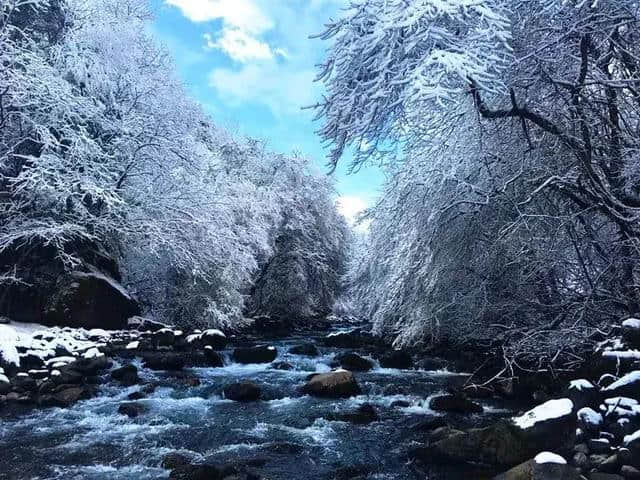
{"x":335,"y":387}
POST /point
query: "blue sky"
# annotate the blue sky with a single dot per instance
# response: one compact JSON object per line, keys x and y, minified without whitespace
{"x":251,"y":64}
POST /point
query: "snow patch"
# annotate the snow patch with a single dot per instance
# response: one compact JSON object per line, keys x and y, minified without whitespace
{"x":547,"y":411}
{"x":628,"y":379}
{"x":633,"y":323}
{"x":548,"y":457}
{"x":581,"y":385}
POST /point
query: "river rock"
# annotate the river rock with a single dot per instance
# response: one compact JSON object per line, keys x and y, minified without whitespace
{"x":338,"y":384}
{"x":631,"y":332}
{"x":174,"y":460}
{"x":354,"y":362}
{"x":508,"y":443}
{"x":214,"y":359}
{"x":132,"y":409}
{"x":582,"y":393}
{"x":126,"y":375}
{"x":397,"y":359}
{"x":626,"y":386}
{"x":65,"y":396}
{"x":545,"y":466}
{"x":164,"y":361}
{"x":196,"y":472}
{"x":349,"y":339}
{"x":363,"y":415}
{"x":454,"y":403}
{"x":306,"y":349}
{"x":90,"y":300}
{"x":214,"y":338}
{"x":259,"y":354}
{"x":242,"y":392}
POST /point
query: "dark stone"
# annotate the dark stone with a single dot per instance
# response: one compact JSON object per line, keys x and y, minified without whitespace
{"x":283,"y":448}
{"x":282,"y":366}
{"x":132,"y":409}
{"x":23,"y":383}
{"x":30,"y":361}
{"x":352,"y":471}
{"x":214,"y":359}
{"x":430,"y":424}
{"x":627,"y":386}
{"x":164,"y":361}
{"x":431,"y":363}
{"x":307,"y":349}
{"x":126,"y":375}
{"x":138,"y":395}
{"x":174,"y":460}
{"x":363,"y":415}
{"x":454,"y":403}
{"x":65,"y":396}
{"x":339,"y":384}
{"x":397,"y":359}
{"x":350,"y":339}
{"x":90,"y":300}
{"x":214,"y":339}
{"x":530,"y":470}
{"x":400,"y":404}
{"x":242,"y":392}
{"x":259,"y":354}
{"x":196,"y":472}
{"x":354,"y":362}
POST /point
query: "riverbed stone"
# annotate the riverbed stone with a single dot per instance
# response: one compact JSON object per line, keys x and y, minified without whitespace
{"x":127,"y":375}
{"x":454,"y":403}
{"x":397,"y":359}
{"x":337,"y":384}
{"x":164,"y":361}
{"x":306,"y":349}
{"x":242,"y":392}
{"x":258,"y":354}
{"x":132,"y":409}
{"x":196,"y":472}
{"x":354,"y":362}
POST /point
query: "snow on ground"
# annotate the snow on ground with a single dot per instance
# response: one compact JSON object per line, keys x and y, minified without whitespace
{"x":631,"y":438}
{"x":548,"y":457}
{"x":589,"y":417}
{"x":624,"y":354}
{"x":42,"y":341}
{"x":547,"y":411}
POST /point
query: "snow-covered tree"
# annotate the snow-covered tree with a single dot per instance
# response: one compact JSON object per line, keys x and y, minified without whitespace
{"x":512,"y":201}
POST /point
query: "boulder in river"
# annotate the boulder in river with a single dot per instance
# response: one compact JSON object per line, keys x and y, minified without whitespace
{"x":132,"y":409}
{"x":258,"y":354}
{"x":349,"y":339}
{"x":214,"y":359}
{"x":126,"y":375}
{"x":454,"y":403}
{"x":196,"y":472}
{"x":174,"y":460}
{"x":65,"y":396}
{"x":214,"y":338}
{"x":242,"y":392}
{"x":364,"y":414}
{"x":354,"y":362}
{"x":397,"y":359}
{"x":164,"y":361}
{"x":306,"y":349}
{"x":337,"y":384}
{"x":90,"y":300}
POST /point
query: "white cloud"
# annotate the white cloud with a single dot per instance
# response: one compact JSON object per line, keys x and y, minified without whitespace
{"x":282,"y":90}
{"x":350,"y":206}
{"x":239,"y":45}
{"x":242,"y":14}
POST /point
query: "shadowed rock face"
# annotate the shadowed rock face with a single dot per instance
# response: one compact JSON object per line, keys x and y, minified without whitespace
{"x":503,"y":444}
{"x":530,"y":470}
{"x":90,"y":300}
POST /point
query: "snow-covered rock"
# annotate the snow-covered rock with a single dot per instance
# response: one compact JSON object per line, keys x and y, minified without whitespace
{"x":549,"y":457}
{"x":631,"y":331}
{"x":627,"y":386}
{"x":548,"y":411}
{"x":589,"y":420}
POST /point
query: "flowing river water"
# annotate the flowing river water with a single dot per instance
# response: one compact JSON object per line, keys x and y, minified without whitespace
{"x":286,"y":434}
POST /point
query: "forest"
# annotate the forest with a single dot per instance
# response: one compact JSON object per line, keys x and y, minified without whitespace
{"x":181,"y":300}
